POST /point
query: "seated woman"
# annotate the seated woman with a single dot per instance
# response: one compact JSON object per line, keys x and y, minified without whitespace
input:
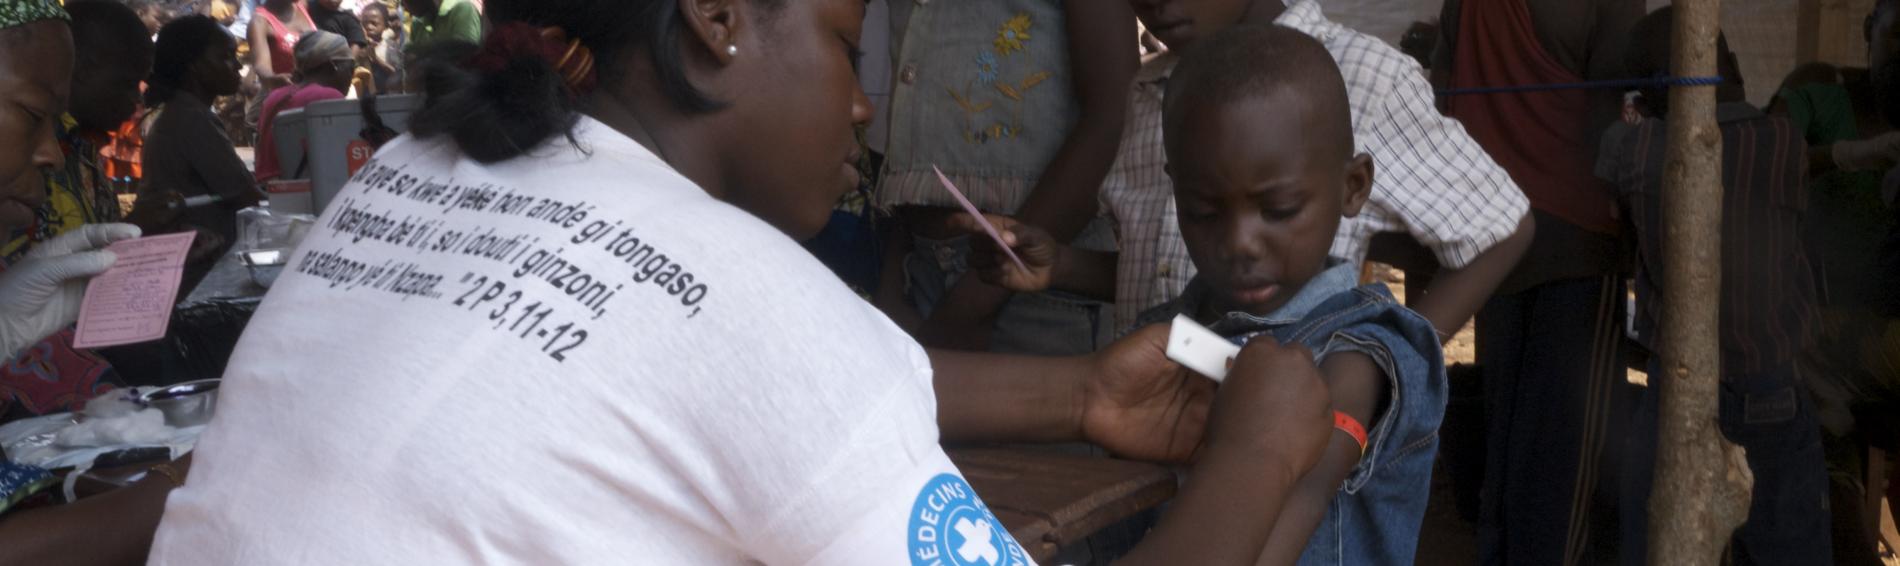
{"x":40,"y":294}
{"x":186,"y":150}
{"x":324,"y":66}
{"x":596,"y":340}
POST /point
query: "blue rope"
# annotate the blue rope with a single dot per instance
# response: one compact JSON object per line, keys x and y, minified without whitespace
{"x":1618,"y":84}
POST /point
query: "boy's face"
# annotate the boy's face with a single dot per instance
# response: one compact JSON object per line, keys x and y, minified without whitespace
{"x":1260,"y":194}
{"x":1178,"y":23}
{"x":153,"y":19}
{"x":373,"y":25}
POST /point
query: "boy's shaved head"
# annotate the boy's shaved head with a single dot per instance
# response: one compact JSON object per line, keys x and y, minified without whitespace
{"x":1258,"y":134}
{"x":1249,"y":62}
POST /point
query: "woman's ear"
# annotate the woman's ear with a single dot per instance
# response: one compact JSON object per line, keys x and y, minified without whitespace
{"x":1358,"y":185}
{"x":715,"y":26}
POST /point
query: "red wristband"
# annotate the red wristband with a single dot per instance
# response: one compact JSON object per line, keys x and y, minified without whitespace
{"x":1346,"y":424}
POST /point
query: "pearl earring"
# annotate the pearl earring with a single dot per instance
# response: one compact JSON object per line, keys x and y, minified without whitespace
{"x":732,"y":50}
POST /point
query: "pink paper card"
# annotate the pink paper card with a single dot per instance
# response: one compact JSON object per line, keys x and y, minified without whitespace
{"x":985,"y":222}
{"x":132,"y":302}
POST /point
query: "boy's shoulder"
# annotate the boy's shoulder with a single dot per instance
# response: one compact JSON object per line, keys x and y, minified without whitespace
{"x":1369,"y":316}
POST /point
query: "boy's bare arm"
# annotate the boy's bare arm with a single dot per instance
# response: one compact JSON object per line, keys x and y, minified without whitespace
{"x":1358,"y":388}
{"x":1455,"y":295}
{"x":1103,"y":59}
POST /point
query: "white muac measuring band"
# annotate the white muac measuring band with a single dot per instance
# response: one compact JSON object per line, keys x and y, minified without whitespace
{"x":1200,"y":349}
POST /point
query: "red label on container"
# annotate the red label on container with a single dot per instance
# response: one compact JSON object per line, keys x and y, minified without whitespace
{"x":359,"y":152}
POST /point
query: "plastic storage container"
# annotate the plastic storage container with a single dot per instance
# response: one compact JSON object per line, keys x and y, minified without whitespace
{"x":328,"y":128}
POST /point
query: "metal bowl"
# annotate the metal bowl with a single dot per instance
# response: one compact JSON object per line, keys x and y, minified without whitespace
{"x":264,"y":265}
{"x":185,"y":404}
{"x":264,"y":276}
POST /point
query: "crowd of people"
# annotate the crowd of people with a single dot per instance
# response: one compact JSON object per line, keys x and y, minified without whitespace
{"x":659,"y":369}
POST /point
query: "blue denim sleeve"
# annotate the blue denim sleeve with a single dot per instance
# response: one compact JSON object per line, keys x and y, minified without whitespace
{"x":1404,"y":439}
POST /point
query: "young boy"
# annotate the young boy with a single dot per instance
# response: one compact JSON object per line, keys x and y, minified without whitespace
{"x":1259,"y":143}
{"x":385,"y":46}
{"x":1767,"y":311}
{"x":1435,"y":185}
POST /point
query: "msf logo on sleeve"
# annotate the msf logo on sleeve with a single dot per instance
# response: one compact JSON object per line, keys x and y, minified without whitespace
{"x":949,"y":526}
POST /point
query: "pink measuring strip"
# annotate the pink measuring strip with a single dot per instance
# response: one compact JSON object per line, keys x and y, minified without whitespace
{"x":985,"y":222}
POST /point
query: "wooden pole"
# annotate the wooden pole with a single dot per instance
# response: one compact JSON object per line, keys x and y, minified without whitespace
{"x":1702,"y":484}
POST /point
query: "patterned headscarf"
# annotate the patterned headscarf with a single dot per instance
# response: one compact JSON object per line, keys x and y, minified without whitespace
{"x":14,"y":13}
{"x":320,"y":48}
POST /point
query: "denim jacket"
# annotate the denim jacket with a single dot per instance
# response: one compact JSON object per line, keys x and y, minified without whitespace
{"x":1375,"y":517}
{"x":982,"y":90}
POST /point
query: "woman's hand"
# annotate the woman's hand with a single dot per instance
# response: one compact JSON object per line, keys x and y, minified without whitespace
{"x":41,"y":294}
{"x":1140,"y":405}
{"x":1274,"y":408}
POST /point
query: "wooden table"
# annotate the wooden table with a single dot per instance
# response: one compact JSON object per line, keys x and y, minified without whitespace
{"x":1049,"y":501}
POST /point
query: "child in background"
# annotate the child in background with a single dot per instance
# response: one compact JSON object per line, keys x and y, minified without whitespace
{"x":1260,"y":145}
{"x":1020,"y":102}
{"x":151,"y":13}
{"x":385,"y":47}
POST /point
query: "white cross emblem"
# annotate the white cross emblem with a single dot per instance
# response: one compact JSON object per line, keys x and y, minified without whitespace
{"x":976,"y":541}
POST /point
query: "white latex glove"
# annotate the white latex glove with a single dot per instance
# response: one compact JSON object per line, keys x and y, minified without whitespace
{"x":41,"y":294}
{"x":1877,"y":153}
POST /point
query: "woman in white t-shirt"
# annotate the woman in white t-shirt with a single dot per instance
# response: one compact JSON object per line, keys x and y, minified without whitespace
{"x":567,"y":322}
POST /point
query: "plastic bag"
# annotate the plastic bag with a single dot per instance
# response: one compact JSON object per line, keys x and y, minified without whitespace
{"x":260,"y":229}
{"x":111,"y":423}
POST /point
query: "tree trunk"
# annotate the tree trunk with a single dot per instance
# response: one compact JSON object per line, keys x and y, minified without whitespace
{"x":1702,"y":484}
